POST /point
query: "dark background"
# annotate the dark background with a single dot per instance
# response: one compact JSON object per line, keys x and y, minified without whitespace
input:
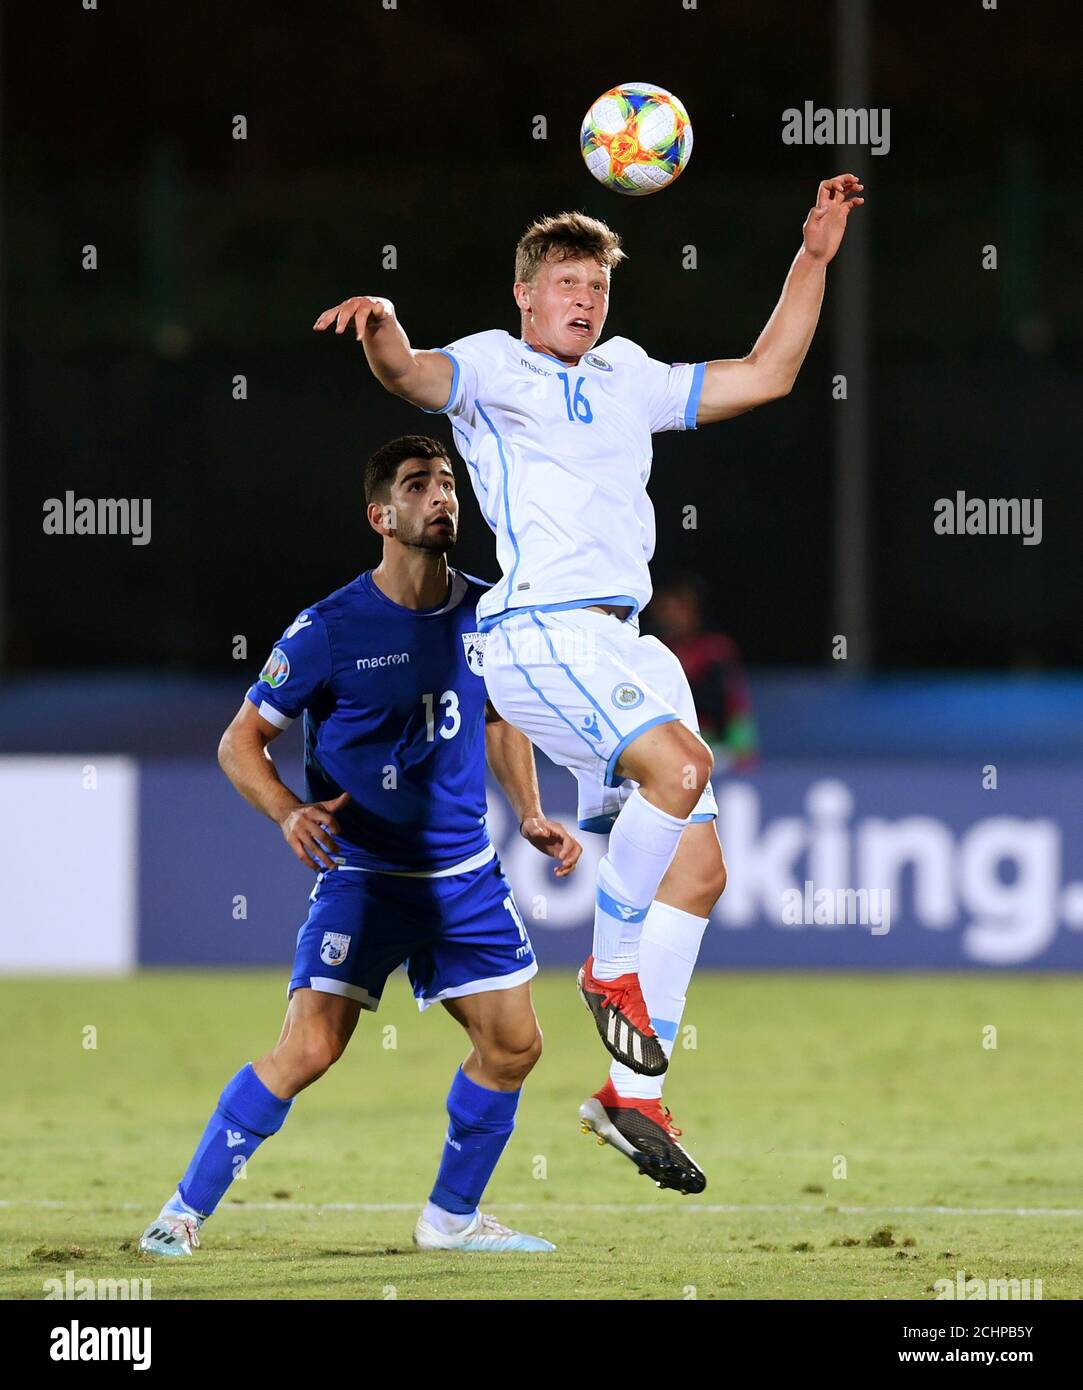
{"x":413,"y":127}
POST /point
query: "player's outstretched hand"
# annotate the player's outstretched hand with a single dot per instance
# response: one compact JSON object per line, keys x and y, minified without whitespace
{"x":365,"y":311}
{"x":826,"y":223}
{"x":551,"y":838}
{"x":307,"y":828}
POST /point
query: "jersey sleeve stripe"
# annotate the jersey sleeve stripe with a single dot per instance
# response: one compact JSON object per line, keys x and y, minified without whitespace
{"x":454,"y":384}
{"x":483,"y":499}
{"x":507,"y":503}
{"x":272,"y":715}
{"x":692,"y":408}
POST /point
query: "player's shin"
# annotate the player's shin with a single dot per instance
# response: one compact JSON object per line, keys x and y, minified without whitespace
{"x":668,"y":952}
{"x":642,"y":844}
{"x":480,"y":1123}
{"x":247,"y":1113}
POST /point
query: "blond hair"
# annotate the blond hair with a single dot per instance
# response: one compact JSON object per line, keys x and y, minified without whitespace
{"x":572,"y":236}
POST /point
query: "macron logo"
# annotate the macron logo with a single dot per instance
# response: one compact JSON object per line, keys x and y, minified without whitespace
{"x":368,"y":663}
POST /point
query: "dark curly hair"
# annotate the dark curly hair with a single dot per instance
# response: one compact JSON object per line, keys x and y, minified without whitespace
{"x":384,"y":464}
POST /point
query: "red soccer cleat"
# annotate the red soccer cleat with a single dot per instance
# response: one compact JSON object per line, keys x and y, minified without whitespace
{"x":624,"y":1024}
{"x":642,"y":1130}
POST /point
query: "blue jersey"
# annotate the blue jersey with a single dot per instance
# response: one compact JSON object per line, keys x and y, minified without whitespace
{"x":394,"y":706}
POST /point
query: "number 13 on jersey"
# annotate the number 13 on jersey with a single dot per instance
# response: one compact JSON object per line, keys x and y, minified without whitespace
{"x":452,"y":719}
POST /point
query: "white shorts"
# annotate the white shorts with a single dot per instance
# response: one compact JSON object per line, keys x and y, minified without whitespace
{"x":582,"y":685}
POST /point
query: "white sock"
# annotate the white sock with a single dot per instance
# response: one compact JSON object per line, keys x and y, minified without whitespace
{"x":642,"y":844}
{"x":177,"y":1206}
{"x":448,"y":1223}
{"x":668,"y":953}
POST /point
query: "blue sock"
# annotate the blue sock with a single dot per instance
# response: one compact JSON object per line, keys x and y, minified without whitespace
{"x":481,"y":1122}
{"x":247,"y":1114}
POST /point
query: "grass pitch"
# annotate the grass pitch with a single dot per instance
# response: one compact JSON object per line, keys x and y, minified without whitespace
{"x":957,"y":1156}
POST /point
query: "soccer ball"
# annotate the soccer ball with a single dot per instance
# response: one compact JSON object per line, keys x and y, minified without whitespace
{"x":636,"y":138}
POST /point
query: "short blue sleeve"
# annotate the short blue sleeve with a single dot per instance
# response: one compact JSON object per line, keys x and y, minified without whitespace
{"x":297,"y":671}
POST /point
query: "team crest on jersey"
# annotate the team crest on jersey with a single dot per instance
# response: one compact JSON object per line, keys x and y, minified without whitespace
{"x":334,"y":947}
{"x":596,"y":361}
{"x":474,"y":646}
{"x":277,"y":670}
{"x":627,"y":696}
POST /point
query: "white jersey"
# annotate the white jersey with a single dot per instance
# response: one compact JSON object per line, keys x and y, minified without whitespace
{"x":559,"y":457}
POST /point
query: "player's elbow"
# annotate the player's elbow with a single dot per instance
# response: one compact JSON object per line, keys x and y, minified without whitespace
{"x":397,"y":385}
{"x":407,"y":383}
{"x":776,"y":385}
{"x":391,"y":385}
{"x":769,"y":380}
{"x":232,"y":746}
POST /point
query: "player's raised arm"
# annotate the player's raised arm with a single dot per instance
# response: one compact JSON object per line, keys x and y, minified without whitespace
{"x":422,"y":378}
{"x":730,"y":387}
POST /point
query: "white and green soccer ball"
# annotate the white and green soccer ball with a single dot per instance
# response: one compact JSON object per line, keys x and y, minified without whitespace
{"x":636,"y":138}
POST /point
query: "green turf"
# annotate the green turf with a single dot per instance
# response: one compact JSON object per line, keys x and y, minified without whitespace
{"x":789,"y":1072}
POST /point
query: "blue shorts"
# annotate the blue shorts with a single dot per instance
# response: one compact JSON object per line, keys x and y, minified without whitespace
{"x":457,"y":934}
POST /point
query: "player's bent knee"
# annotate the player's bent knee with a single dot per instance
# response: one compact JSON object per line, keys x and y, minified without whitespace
{"x":671,"y":760}
{"x":511,"y":1065}
{"x":701,"y":764}
{"x":685,"y":785}
{"x":690,"y":773}
{"x":311,"y":1055}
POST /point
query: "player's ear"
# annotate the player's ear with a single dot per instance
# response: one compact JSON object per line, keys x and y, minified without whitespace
{"x":381,"y":517}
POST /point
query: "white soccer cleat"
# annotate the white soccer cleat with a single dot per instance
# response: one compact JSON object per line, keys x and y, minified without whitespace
{"x":484,"y":1234}
{"x":170,"y":1235}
